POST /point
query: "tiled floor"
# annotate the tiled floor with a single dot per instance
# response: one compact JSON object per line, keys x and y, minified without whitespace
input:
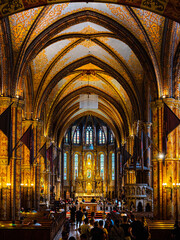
{"x":73,"y":233}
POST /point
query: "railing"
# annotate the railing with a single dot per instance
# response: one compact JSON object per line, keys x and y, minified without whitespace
{"x":138,"y":190}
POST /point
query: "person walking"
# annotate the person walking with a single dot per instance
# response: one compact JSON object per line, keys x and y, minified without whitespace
{"x":79,"y":215}
{"x":126,"y":227}
{"x":117,"y":232}
{"x":85,"y":228}
{"x":104,"y":230}
{"x":73,"y":213}
{"x":96,"y":232}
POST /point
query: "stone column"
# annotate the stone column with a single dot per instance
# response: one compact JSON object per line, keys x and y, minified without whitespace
{"x":25,"y":172}
{"x":17,"y":154}
{"x":38,"y":166}
{"x":165,"y":171}
{"x":70,"y":171}
{"x":147,"y":155}
{"x":6,"y":180}
{"x":119,"y":180}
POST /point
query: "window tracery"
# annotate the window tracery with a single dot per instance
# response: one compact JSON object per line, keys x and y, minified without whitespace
{"x":65,"y":166}
{"x":75,"y":166}
{"x":101,"y":137}
{"x":113,"y":165}
{"x":76,"y":136}
{"x":111,"y":138}
{"x":102,"y":165}
{"x":89,"y":135}
{"x":66,"y":138}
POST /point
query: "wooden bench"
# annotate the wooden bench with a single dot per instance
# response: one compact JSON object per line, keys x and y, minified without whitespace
{"x":46,"y":231}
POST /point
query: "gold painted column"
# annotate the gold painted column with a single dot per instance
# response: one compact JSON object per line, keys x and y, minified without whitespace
{"x":38,"y":165}
{"x":118,"y":180}
{"x":10,"y":174}
{"x":155,"y":160}
{"x":17,"y":156}
{"x":5,"y":169}
{"x":147,"y":155}
{"x":165,"y":172}
{"x":26,"y":172}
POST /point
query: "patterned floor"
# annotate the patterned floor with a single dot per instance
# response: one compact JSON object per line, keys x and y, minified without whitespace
{"x":73,"y":233}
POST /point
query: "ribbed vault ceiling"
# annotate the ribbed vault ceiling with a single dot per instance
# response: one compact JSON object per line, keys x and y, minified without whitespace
{"x":63,"y":50}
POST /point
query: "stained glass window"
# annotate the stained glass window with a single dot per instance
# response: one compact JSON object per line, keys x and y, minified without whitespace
{"x":66,"y":138}
{"x":76,"y":137}
{"x":111,"y":138}
{"x":101,"y":137}
{"x":77,"y":131}
{"x":102,"y":166}
{"x":65,"y":166}
{"x":89,"y":135}
{"x":113,"y":166}
{"x":75,"y":166}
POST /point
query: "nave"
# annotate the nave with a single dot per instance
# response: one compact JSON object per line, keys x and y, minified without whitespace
{"x":89,"y":107}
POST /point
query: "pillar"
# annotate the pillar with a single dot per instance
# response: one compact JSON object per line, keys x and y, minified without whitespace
{"x":166,"y":170}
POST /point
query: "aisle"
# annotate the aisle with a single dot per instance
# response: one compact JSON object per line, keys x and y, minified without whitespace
{"x":73,"y":233}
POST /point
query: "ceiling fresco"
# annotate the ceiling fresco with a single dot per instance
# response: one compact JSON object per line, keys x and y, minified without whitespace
{"x":64,"y":49}
{"x":20,"y":24}
{"x":154,"y":25}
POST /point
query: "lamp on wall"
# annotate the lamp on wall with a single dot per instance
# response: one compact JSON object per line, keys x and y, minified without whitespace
{"x":161,"y":156}
{"x":173,"y":187}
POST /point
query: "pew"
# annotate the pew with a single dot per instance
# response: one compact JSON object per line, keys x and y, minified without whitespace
{"x":46,"y":231}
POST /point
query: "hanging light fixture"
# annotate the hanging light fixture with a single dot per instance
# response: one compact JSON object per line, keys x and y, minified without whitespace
{"x":88,"y":101}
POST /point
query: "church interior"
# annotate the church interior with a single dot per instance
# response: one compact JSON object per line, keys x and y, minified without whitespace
{"x":87,"y":84}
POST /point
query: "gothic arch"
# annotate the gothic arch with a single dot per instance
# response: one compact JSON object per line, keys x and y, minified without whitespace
{"x":168,"y":9}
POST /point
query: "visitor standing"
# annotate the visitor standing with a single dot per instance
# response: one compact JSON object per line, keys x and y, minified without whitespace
{"x":104,"y":230}
{"x":85,"y":228}
{"x":126,"y":227}
{"x":79,"y":215}
{"x":96,"y":232}
{"x":117,"y":232}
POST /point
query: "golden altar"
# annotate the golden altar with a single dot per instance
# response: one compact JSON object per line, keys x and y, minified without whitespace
{"x":89,"y":183}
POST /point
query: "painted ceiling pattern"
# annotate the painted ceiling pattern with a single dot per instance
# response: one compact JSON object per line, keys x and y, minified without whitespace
{"x":154,"y":25}
{"x":20,"y":25}
{"x":76,"y":54}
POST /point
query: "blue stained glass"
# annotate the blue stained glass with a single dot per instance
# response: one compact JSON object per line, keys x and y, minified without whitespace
{"x":101,"y":137}
{"x":74,"y":140}
{"x":113,"y":166}
{"x":65,"y":166}
{"x":66,"y":138}
{"x":102,"y":166}
{"x":75,"y":166}
{"x":78,"y":136}
{"x":91,"y":137}
{"x":112,"y":139}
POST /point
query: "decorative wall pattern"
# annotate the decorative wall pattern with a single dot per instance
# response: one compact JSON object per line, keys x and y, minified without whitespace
{"x":20,"y":24}
{"x":153,"y":24}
